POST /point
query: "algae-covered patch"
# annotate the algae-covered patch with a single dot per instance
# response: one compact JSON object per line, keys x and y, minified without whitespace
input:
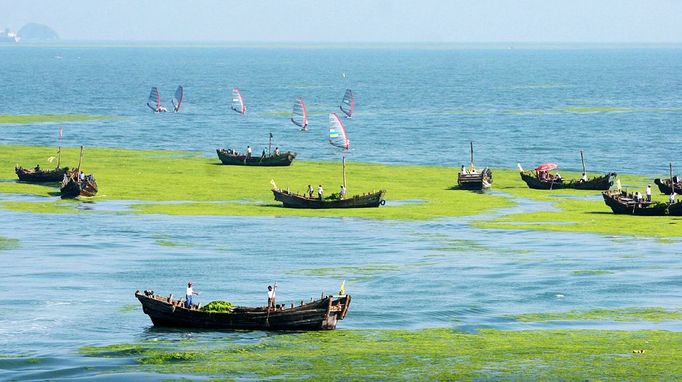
{"x":7,"y":243}
{"x":591,"y":272}
{"x":429,"y":354}
{"x":128,"y":308}
{"x":355,"y":273}
{"x":654,"y":314}
{"x":43,"y":118}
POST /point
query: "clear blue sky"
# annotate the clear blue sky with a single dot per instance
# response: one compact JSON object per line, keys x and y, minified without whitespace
{"x":610,"y":21}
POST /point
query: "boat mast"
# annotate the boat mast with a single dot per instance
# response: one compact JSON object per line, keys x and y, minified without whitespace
{"x":80,"y":161}
{"x":471,"y":145}
{"x":582,"y":159}
{"x":59,"y":156}
{"x":270,"y":144}
{"x":672,"y":184}
{"x":344,"y":170}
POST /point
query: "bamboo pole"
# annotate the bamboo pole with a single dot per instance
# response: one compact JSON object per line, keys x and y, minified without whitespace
{"x":80,"y":160}
{"x":582,"y":159}
{"x":471,"y":145}
{"x":344,"y":171}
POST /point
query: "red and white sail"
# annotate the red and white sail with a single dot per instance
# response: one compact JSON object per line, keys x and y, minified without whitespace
{"x":178,"y":98}
{"x":337,"y":132}
{"x":238,"y":102}
{"x":348,"y":103}
{"x":154,"y":101}
{"x":299,"y":115}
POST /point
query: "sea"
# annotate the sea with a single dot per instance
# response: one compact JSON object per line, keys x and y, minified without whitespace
{"x":69,"y":279}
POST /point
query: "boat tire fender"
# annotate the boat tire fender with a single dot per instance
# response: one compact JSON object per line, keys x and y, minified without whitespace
{"x":383,"y":202}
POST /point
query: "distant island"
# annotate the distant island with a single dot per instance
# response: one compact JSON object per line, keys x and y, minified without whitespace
{"x":29,"y":32}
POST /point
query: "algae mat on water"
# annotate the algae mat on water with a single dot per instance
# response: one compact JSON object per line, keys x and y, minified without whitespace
{"x":44,"y":118}
{"x":184,"y":183}
{"x":429,"y":354}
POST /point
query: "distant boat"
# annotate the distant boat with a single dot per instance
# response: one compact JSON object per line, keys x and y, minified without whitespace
{"x":348,"y":103}
{"x":154,"y":101}
{"x":337,"y":138}
{"x":238,"y":102}
{"x":178,"y":98}
{"x":38,"y":175}
{"x":299,"y":115}
{"x":276,"y":158}
{"x":541,"y":179}
{"x":76,"y":183}
{"x":474,"y":179}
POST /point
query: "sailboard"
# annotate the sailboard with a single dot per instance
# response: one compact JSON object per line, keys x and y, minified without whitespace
{"x":299,"y":115}
{"x":347,"y":103}
{"x":154,"y":101}
{"x":178,"y":98}
{"x":238,"y":102}
{"x":337,"y":132}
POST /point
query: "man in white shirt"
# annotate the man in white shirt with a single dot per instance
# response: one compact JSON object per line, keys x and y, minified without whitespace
{"x":583,"y":178}
{"x":320,"y":192}
{"x":342,"y":192}
{"x":672,"y":198}
{"x":248,"y":151}
{"x":271,"y":297}
{"x":648,"y":192}
{"x":188,"y":295}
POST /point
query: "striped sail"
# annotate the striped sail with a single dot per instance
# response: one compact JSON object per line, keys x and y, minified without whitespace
{"x":337,"y":133}
{"x":154,"y":101}
{"x":177,"y":99}
{"x":238,"y":101}
{"x":348,"y":103}
{"x":300,"y":115}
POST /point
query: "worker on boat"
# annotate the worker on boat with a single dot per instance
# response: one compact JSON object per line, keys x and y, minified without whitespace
{"x":37,"y":168}
{"x":320,"y":192}
{"x":276,"y":151}
{"x":342,"y":192}
{"x":583,"y":178}
{"x":310,"y":191}
{"x":188,"y":295}
{"x":463,"y":171}
{"x":648,"y":193}
{"x":672,"y":197}
{"x":271,"y":296}
{"x":248,"y":151}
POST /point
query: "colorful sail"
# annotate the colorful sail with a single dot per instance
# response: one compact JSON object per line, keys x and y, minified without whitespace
{"x":177,"y":99}
{"x":238,"y":101}
{"x":337,"y":133}
{"x":154,"y":101}
{"x":348,"y":103}
{"x":300,"y":114}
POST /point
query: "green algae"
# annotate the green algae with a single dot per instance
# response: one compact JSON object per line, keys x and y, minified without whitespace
{"x":44,"y":118}
{"x":595,"y":109}
{"x":428,"y":354}
{"x":129,"y":308}
{"x":352,"y":273}
{"x":7,"y":243}
{"x":654,"y":314}
{"x":590,"y":272}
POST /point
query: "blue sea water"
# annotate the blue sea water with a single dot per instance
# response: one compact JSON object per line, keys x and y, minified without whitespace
{"x":70,"y":280}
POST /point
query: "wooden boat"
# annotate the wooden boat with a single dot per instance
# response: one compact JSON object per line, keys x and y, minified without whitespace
{"x":76,"y":183}
{"x":603,"y":182}
{"x":321,"y":314}
{"x":230,"y":158}
{"x":664,"y":185}
{"x":622,"y":202}
{"x":292,"y":200}
{"x":474,"y":179}
{"x":38,"y":175}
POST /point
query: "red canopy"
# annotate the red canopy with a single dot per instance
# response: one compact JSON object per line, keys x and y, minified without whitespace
{"x":547,"y":167}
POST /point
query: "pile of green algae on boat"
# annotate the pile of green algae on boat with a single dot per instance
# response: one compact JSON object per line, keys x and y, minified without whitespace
{"x":191,"y":183}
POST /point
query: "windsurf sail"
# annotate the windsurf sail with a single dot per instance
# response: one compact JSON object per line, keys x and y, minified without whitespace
{"x":154,"y":101}
{"x":238,"y":102}
{"x":300,"y":115}
{"x":177,"y":99}
{"x":348,"y":103}
{"x":337,"y":133}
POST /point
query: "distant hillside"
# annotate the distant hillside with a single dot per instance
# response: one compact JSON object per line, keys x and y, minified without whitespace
{"x":37,"y":32}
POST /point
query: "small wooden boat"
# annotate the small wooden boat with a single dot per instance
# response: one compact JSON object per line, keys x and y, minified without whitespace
{"x":229,"y":157}
{"x":38,"y":175}
{"x":622,"y":202}
{"x":664,"y":185}
{"x":321,"y":314}
{"x":603,"y":182}
{"x":76,"y":183}
{"x":292,"y":200}
{"x":474,"y":179}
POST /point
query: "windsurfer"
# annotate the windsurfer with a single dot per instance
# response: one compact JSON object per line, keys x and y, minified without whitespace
{"x":161,"y":109}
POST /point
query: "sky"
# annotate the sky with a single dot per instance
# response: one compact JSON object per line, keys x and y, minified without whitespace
{"x":382,"y":21}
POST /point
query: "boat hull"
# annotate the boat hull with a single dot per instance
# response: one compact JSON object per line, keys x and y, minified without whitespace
{"x":291,"y":200}
{"x":476,"y":182}
{"x":664,"y":186}
{"x":321,"y":314}
{"x":72,"y":187}
{"x":622,"y":203}
{"x":40,"y":176}
{"x":283,"y":159}
{"x":601,"y":183}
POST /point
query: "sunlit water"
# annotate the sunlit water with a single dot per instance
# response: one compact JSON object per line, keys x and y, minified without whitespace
{"x":70,"y":282}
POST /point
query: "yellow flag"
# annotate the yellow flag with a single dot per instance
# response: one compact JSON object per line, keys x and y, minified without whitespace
{"x":272,"y":181}
{"x":618,"y":185}
{"x":50,"y":159}
{"x":342,"y":291}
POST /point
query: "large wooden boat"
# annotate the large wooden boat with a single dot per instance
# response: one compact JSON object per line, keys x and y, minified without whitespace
{"x":664,"y":185}
{"x":603,"y":182}
{"x":229,"y":157}
{"x":76,"y":183}
{"x":38,"y":175}
{"x":293,"y":200}
{"x":473,"y":179}
{"x":321,"y":314}
{"x":622,"y":202}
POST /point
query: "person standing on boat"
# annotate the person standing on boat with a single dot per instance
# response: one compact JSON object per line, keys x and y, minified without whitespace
{"x":276,"y":151}
{"x":583,"y":178}
{"x":310,"y":191}
{"x":320,"y":192}
{"x":248,"y":151}
{"x":648,"y":193}
{"x":271,"y":296}
{"x":342,"y":192}
{"x":188,"y":295}
{"x":672,"y":197}
{"x":463,"y":171}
